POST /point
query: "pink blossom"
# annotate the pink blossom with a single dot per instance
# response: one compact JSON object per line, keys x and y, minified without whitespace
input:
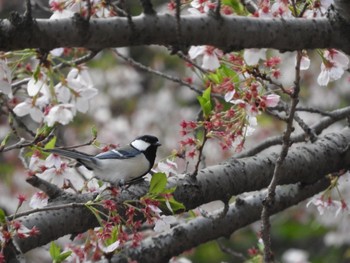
{"x":210,"y":56}
{"x":333,"y":66}
{"x":272,"y":100}
{"x":38,"y":200}
{"x":200,"y":6}
{"x":281,"y":9}
{"x":53,"y":160}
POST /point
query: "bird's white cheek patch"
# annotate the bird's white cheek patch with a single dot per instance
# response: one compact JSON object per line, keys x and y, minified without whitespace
{"x":140,"y":145}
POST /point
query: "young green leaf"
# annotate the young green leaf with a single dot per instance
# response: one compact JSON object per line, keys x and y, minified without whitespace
{"x":61,"y":257}
{"x":54,"y":251}
{"x":175,"y":205}
{"x":205,"y":102}
{"x":51,"y":144}
{"x":5,"y":140}
{"x":158,"y":183}
{"x":94,"y":131}
{"x":2,"y":216}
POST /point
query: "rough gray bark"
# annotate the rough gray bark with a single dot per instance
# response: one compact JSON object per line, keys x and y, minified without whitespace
{"x":226,"y":32}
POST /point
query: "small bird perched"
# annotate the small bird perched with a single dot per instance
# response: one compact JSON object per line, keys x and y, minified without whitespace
{"x":119,"y":166}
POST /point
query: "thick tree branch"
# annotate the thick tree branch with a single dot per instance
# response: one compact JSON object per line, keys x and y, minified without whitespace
{"x":229,"y":33}
{"x":201,"y":229}
{"x":306,"y":163}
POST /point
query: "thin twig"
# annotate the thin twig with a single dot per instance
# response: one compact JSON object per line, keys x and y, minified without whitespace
{"x":77,"y":61}
{"x":270,"y":198}
{"x":78,"y":145}
{"x":47,"y":208}
{"x":147,"y":7}
{"x":89,"y":10}
{"x":200,"y":149}
{"x":189,"y":61}
{"x":218,"y":9}
{"x":28,"y":12}
{"x":158,"y":73}
{"x":230,"y":251}
{"x":178,"y":22}
{"x":250,"y":5}
{"x":324,"y":123}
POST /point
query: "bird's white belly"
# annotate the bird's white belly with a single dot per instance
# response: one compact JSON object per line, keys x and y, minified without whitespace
{"x":117,"y":171}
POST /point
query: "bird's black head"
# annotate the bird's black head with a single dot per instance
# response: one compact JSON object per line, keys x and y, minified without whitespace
{"x":149,"y":139}
{"x":147,"y":144}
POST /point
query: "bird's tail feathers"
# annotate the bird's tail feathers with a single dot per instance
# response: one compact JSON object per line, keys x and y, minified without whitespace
{"x":83,"y":158}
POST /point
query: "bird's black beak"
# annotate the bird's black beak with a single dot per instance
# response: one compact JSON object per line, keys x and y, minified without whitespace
{"x":158,"y":144}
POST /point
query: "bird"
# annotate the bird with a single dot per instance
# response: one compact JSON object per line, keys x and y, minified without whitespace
{"x":119,"y":166}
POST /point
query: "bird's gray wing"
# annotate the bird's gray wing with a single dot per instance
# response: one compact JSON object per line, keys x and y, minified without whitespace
{"x":121,"y":153}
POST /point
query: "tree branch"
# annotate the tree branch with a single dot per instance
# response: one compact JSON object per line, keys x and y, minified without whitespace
{"x":306,"y":164}
{"x":231,"y":32}
{"x":183,"y":237}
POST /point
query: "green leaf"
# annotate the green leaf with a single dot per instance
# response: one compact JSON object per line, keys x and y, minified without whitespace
{"x":94,"y":131}
{"x":2,"y":216}
{"x":175,"y":205}
{"x":61,"y":257}
{"x":205,"y":102}
{"x":236,"y":5}
{"x":54,"y":251}
{"x":51,"y":144}
{"x":43,"y":132}
{"x":36,"y":73}
{"x":158,"y":183}
{"x":169,"y":190}
{"x":5,"y":140}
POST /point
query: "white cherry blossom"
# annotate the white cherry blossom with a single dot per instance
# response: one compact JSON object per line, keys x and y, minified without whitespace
{"x":28,"y":107}
{"x":210,"y":56}
{"x":333,"y":66}
{"x":253,"y":55}
{"x":34,"y":86}
{"x":61,"y":113}
{"x":5,"y":78}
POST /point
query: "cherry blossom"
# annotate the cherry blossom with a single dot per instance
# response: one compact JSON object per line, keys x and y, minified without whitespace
{"x":271,"y":100}
{"x":29,"y":107}
{"x":333,"y":66}
{"x":164,"y":223}
{"x":200,"y":6}
{"x":253,"y":55}
{"x":61,"y":113}
{"x":210,"y":56}
{"x":110,"y":248}
{"x":53,"y":160}
{"x":38,"y":200}
{"x":56,"y":176}
{"x":168,"y":167}
{"x":77,"y":89}
{"x":5,"y":78}
{"x":36,"y":85}
{"x":304,"y":62}
{"x":281,"y":9}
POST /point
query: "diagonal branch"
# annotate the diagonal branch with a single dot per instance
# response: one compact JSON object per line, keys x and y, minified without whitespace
{"x":247,"y":210}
